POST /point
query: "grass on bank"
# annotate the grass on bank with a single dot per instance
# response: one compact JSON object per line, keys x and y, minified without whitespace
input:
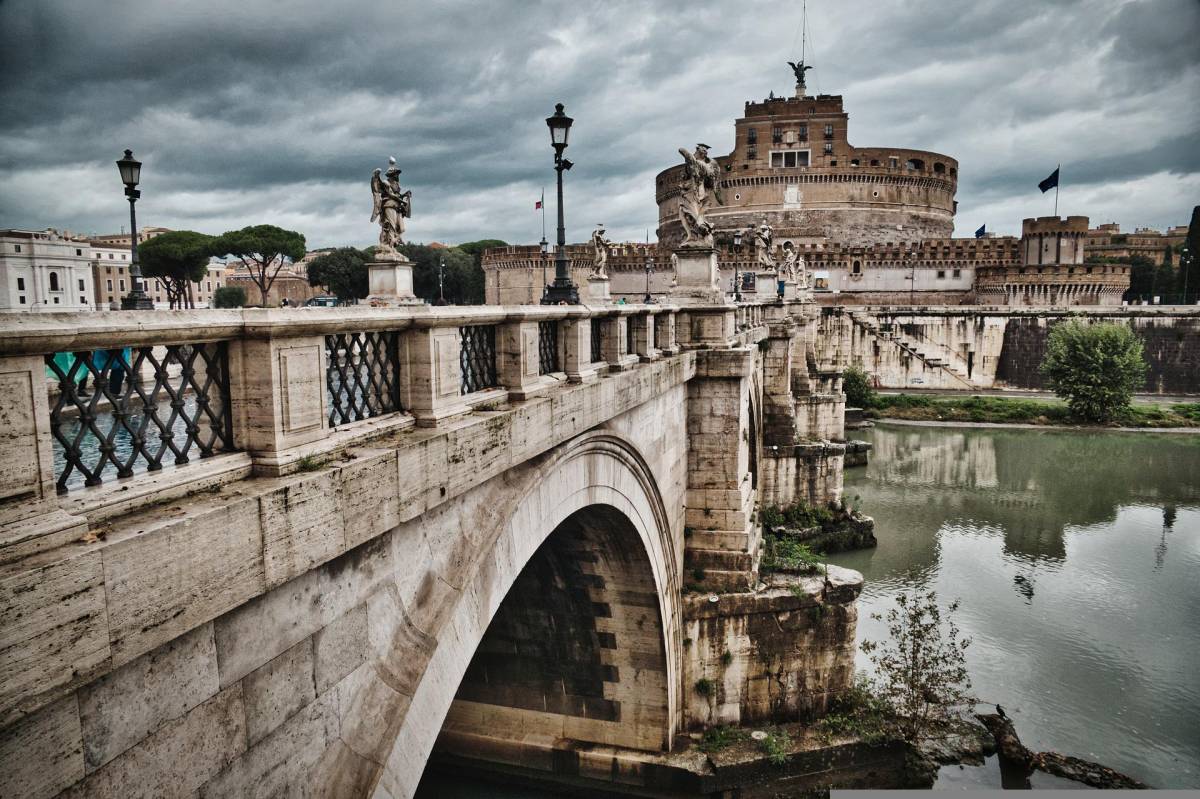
{"x":1016,"y":410}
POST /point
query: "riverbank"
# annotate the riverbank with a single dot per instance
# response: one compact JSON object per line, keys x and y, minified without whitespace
{"x":1010,"y":411}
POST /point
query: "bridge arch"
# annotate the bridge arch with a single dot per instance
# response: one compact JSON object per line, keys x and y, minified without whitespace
{"x":598,"y":487}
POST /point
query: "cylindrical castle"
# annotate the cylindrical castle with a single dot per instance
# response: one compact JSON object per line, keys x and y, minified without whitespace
{"x":793,"y":167}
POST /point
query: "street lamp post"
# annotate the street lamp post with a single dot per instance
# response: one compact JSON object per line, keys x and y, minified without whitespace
{"x":131,"y":174}
{"x":441,"y":282}
{"x":737,"y":255}
{"x":649,"y":298}
{"x":545,"y":245}
{"x":563,"y":290}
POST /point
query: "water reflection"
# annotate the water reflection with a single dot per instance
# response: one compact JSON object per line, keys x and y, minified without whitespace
{"x":1076,"y":557}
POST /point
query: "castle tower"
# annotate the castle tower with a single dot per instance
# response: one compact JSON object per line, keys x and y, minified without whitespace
{"x":1052,"y":270}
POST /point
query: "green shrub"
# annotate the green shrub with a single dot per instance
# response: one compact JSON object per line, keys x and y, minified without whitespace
{"x":785,"y":552}
{"x":229,"y":297}
{"x":717,"y":738}
{"x":775,"y":746}
{"x":857,"y":385}
{"x":1094,"y":368}
{"x":704,"y":686}
{"x":772,"y":517}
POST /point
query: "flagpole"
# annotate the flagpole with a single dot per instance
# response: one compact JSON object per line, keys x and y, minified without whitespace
{"x":1057,"y":169}
{"x":543,"y":212}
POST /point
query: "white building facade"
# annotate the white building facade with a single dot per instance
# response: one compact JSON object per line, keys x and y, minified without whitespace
{"x":45,"y":270}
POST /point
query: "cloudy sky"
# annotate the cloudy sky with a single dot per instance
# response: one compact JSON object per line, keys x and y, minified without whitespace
{"x":272,"y":111}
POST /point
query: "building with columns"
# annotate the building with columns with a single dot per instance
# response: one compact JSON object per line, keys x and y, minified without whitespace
{"x":45,"y":270}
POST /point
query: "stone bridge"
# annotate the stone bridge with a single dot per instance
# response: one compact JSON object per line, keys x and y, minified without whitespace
{"x":303,"y":552}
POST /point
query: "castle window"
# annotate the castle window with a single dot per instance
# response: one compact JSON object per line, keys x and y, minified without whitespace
{"x":752,"y":153}
{"x":915,"y":163}
{"x":828,"y":147}
{"x":78,"y":251}
{"x":777,"y":135}
{"x":20,"y":284}
{"x":941,"y":274}
{"x":953,"y":171}
{"x":54,"y":282}
{"x":833,"y":162}
{"x":874,"y":162}
{"x":803,"y":132}
{"x":939,"y":167}
{"x":853,"y":162}
{"x":121,"y":284}
{"x":81,"y":284}
{"x":828,"y":131}
{"x":856,"y":268}
{"x":789,"y":159}
{"x":22,"y":299}
{"x":893,"y":162}
{"x":752,"y":136}
{"x":957,"y":273}
{"x":109,"y":287}
{"x":82,"y":300}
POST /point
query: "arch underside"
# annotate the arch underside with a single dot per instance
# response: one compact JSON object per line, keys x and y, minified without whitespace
{"x":613,"y":674}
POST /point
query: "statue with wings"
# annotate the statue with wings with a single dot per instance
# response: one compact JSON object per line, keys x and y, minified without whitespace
{"x":799,"y":70}
{"x":701,"y":186}
{"x":391,"y":207}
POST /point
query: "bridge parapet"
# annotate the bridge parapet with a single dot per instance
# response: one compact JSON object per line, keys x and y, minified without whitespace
{"x":344,"y":431}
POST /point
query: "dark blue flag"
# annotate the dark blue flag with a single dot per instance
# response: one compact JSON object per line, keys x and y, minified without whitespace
{"x":1050,"y":182}
{"x":979,"y":233}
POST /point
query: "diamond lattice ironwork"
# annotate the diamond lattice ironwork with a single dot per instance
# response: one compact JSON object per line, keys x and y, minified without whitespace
{"x":144,"y":402}
{"x":547,"y":347}
{"x":362,"y":375}
{"x":477,"y":358}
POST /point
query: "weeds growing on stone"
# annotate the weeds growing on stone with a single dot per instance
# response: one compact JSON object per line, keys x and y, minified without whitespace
{"x":775,"y":746}
{"x":717,"y":738}
{"x":308,"y":463}
{"x":704,"y":686}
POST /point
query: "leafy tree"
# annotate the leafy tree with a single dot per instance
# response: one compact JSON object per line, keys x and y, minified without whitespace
{"x":176,"y":259}
{"x":228,"y":296}
{"x":859,"y":391}
{"x":475,"y":250}
{"x":1141,"y":278}
{"x":1095,"y":368}
{"x":264,"y":249}
{"x":343,"y":271}
{"x":461,"y":285}
{"x":921,"y":670}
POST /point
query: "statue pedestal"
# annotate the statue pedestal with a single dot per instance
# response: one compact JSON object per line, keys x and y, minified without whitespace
{"x":696,"y":277}
{"x":765,"y":285}
{"x":390,"y":281}
{"x":599,"y":290}
{"x":790,"y":291}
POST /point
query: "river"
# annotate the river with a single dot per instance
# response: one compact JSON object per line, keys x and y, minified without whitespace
{"x":1076,"y":556}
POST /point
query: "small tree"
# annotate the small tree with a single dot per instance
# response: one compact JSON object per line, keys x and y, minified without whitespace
{"x":264,"y":249}
{"x":1095,"y":368}
{"x":857,"y":385}
{"x":343,"y":271}
{"x":176,"y":259}
{"x":462,"y":278}
{"x":921,"y":670}
{"x":229,"y":297}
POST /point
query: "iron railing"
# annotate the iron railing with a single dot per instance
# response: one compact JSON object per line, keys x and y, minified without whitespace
{"x":362,"y":375}
{"x":596,"y":350}
{"x":125,"y":423}
{"x":547,"y":347}
{"x":477,"y":358}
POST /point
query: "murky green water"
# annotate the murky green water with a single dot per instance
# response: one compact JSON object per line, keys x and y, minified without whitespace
{"x":1077,"y":560}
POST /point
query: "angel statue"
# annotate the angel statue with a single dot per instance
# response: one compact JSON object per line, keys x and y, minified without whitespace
{"x":799,"y":70}
{"x":600,"y":247}
{"x":701,"y":185}
{"x":391,"y":208}
{"x":793,"y":265}
{"x":762,"y":246}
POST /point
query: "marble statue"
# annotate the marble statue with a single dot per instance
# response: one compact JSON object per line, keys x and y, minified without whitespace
{"x":793,"y":265}
{"x":391,"y":207}
{"x":762,"y":246}
{"x":600,"y":247}
{"x":701,"y":186}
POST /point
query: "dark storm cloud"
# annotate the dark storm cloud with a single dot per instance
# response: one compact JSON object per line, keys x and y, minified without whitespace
{"x":248,"y":111}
